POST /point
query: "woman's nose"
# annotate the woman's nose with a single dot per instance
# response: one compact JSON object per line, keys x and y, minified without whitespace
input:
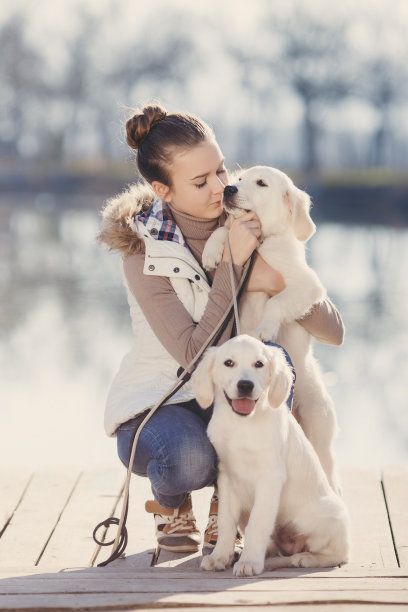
{"x":218,"y":186}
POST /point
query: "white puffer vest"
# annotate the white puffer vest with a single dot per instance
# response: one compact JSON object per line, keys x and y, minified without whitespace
{"x":148,"y":371}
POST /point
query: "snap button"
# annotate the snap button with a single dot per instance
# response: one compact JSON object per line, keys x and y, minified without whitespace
{"x":151,"y":268}
{"x":176,"y":270}
{"x":197,"y":277}
{"x":154,"y":231}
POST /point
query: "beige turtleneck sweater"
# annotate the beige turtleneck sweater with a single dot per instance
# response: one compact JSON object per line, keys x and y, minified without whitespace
{"x":171,"y":322}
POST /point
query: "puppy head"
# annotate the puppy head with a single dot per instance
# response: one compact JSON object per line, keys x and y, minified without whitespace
{"x":240,"y":373}
{"x":279,"y":205}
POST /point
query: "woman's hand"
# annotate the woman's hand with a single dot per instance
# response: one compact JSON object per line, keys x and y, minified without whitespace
{"x":243,"y":238}
{"x":265,"y":278}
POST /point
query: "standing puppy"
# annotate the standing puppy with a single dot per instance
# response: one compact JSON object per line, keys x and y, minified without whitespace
{"x":283,"y":210}
{"x":270,"y":480}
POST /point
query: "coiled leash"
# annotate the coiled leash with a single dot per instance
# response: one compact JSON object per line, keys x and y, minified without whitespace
{"x":184,"y":375}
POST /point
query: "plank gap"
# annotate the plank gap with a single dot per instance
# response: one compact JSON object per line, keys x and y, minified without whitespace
{"x":390,"y":523}
{"x":17,"y":505}
{"x":58,"y":519}
{"x":104,"y":533}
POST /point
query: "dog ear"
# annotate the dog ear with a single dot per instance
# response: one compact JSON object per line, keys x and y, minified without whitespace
{"x":281,"y":381}
{"x":299,"y":206}
{"x":202,"y":379}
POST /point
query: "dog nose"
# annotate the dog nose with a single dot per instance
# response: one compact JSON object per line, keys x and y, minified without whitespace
{"x":245,"y":387}
{"x":230,"y":190}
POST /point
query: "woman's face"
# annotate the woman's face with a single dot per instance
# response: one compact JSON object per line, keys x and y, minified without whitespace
{"x":198,"y":177}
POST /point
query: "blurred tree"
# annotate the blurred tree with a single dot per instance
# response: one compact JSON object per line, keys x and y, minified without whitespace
{"x":306,"y":54}
{"x":21,"y":81}
{"x":314,"y":61}
{"x":383,"y":83}
{"x":160,"y":60}
{"x":77,"y":85}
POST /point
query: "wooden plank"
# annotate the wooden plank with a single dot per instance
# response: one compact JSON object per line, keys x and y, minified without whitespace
{"x":140,"y":528}
{"x":201,"y":505}
{"x":124,"y":571}
{"x":37,"y":515}
{"x":13,"y":483}
{"x":205,"y":584}
{"x":58,"y":601}
{"x":94,"y":499}
{"x":395,"y":481}
{"x":371,"y":535}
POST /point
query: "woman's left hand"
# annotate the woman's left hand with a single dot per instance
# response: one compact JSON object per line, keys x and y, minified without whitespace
{"x":265,"y":278}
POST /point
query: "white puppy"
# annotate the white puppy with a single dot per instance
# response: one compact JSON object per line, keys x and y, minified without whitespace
{"x":270,"y":480}
{"x":283,"y":210}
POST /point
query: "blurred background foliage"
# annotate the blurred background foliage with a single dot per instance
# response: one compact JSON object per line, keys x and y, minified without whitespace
{"x":310,"y":86}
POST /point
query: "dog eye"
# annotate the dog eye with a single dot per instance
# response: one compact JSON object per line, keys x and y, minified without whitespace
{"x":259,"y":364}
{"x":261,"y":183}
{"x":229,"y":363}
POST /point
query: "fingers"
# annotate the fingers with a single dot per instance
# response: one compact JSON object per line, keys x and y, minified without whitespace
{"x":248,"y":223}
{"x":248,"y":216}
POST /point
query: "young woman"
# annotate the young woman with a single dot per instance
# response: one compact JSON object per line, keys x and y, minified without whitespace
{"x":161,"y":227}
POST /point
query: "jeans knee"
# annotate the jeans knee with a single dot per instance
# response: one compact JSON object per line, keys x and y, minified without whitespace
{"x":185,"y":470}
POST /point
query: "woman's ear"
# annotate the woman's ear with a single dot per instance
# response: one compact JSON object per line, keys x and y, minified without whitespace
{"x":281,"y":379}
{"x":299,"y":206}
{"x":202,"y":379}
{"x":161,"y":190}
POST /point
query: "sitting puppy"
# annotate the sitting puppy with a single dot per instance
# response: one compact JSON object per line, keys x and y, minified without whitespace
{"x":270,"y":481}
{"x":283,"y":210}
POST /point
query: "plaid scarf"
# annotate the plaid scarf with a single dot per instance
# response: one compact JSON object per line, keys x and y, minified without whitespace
{"x":160,"y":223}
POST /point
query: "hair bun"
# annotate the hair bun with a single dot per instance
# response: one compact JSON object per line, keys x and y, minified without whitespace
{"x":139,"y":126}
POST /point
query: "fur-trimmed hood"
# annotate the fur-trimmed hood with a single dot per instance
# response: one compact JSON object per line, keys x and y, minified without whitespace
{"x":118,"y":231}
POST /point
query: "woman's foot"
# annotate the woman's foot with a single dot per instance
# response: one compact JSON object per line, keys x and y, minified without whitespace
{"x":176,"y":528}
{"x":211,"y":531}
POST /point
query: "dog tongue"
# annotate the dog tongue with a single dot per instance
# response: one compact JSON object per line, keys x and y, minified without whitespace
{"x":243,"y":406}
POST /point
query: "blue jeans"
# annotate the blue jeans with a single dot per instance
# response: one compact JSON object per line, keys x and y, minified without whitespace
{"x":173,"y":451}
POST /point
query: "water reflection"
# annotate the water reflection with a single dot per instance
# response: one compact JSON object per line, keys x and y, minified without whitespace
{"x":64,"y":327}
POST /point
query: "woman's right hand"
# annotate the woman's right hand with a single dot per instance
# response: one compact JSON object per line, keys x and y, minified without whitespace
{"x":243,"y":238}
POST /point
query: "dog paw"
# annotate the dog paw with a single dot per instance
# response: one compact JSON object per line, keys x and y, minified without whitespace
{"x":267,"y":333}
{"x":275,"y":562}
{"x":248,"y":568}
{"x":214,"y":563}
{"x":211,"y":259}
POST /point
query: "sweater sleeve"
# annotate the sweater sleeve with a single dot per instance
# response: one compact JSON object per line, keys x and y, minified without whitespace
{"x":324,"y":322}
{"x":166,"y":315}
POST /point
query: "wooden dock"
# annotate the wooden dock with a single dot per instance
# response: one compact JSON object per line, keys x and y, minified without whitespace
{"x":48,"y":558}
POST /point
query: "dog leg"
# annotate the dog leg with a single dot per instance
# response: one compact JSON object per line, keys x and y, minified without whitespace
{"x":260,"y":525}
{"x":288,"y":306}
{"x":228,"y":515}
{"x":214,"y":248}
{"x":303,"y":559}
{"x":317,"y":417}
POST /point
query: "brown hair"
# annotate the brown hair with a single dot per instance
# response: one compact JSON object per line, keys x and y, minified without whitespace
{"x":155,"y":134}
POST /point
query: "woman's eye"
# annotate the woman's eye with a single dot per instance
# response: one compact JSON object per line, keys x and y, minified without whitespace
{"x":200,"y":185}
{"x":259,"y":364}
{"x":229,"y":363}
{"x":261,"y":183}
{"x":222,"y":171}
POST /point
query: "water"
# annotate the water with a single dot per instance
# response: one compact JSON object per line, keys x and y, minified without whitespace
{"x":64,"y":327}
